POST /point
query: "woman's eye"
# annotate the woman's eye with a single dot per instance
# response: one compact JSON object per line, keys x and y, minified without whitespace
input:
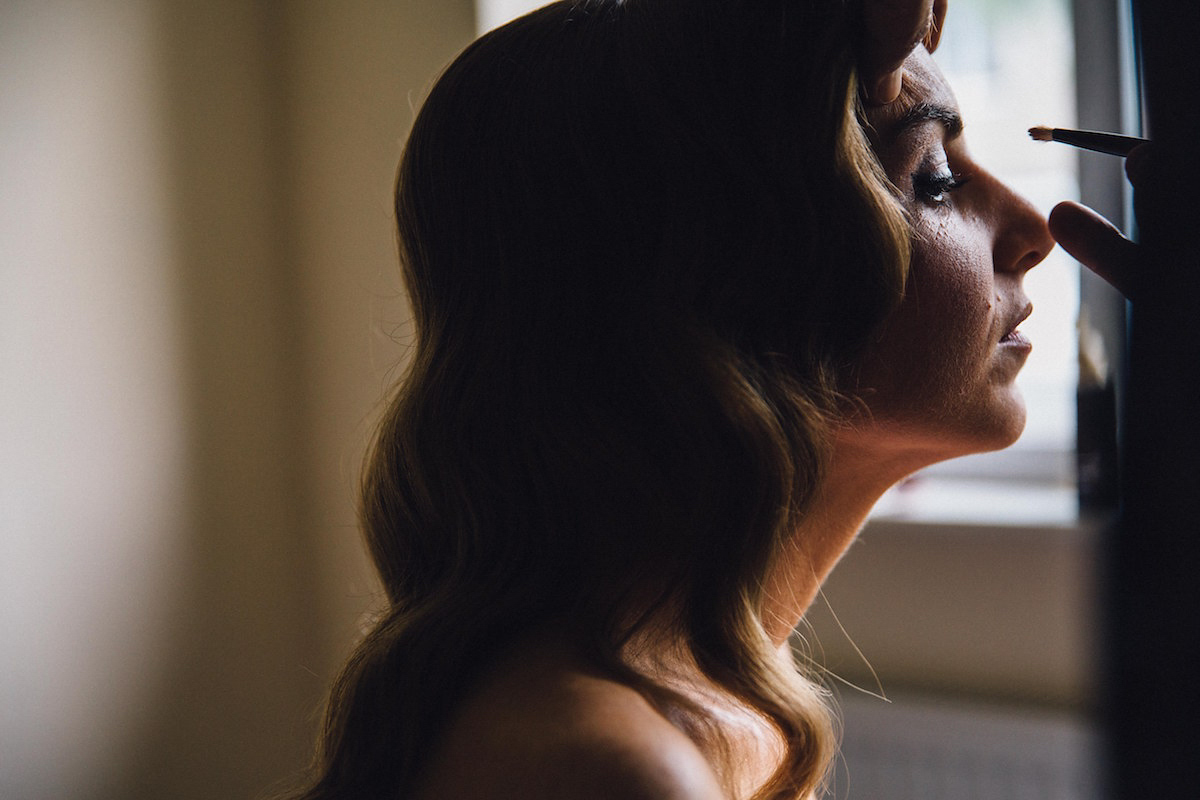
{"x":935,"y":187}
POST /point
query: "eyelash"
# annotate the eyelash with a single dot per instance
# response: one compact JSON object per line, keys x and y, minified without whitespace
{"x":932,"y":187}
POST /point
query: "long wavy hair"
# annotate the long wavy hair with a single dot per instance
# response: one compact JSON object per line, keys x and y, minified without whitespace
{"x":642,"y":240}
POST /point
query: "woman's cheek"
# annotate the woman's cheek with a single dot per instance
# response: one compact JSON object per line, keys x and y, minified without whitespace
{"x":954,"y":293}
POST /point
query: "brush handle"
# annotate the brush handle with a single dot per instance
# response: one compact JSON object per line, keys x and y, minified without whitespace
{"x":1098,"y":141}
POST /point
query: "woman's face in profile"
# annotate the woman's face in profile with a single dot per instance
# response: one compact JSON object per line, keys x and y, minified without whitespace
{"x":938,"y":380}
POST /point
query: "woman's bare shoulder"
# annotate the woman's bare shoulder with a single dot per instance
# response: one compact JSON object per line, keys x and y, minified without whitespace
{"x":545,"y":730}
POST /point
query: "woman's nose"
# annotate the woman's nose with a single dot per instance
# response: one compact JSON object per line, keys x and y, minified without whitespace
{"x":1023,"y":236}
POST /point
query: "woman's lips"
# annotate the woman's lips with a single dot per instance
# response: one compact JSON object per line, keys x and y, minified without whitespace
{"x":1017,"y":339}
{"x":1014,"y":336}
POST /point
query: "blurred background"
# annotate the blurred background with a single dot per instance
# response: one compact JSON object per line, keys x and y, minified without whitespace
{"x":200,"y":314}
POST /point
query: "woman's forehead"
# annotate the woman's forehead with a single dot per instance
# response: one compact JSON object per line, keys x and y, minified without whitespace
{"x":924,"y":85}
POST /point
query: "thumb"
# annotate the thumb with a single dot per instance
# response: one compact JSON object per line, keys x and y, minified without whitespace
{"x":1097,"y":244}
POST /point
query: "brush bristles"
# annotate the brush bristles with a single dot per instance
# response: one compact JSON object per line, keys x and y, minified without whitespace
{"x":1041,"y":134}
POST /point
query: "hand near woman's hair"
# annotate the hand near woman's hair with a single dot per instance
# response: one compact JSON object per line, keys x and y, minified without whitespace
{"x":891,"y":29}
{"x":1095,"y":242}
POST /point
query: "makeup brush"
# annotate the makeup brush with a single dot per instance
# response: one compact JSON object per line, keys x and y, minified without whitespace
{"x":1111,"y":143}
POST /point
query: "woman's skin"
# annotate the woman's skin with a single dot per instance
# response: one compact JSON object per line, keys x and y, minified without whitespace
{"x":937,"y":383}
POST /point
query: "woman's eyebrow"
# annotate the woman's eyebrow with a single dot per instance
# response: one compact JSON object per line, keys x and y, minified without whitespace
{"x":925,"y":112}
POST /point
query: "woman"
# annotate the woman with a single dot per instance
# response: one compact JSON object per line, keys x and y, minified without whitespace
{"x":682,"y":316}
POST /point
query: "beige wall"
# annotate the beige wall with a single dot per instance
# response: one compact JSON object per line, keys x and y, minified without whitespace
{"x":199,"y":309}
{"x":1005,"y":614}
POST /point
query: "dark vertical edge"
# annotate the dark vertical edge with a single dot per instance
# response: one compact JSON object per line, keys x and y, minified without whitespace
{"x":1153,"y":577}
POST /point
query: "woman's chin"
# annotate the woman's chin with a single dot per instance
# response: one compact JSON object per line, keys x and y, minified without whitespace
{"x":1005,"y":427}
{"x":998,"y":427}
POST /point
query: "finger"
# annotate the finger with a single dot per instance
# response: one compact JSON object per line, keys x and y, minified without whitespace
{"x":1097,"y":244}
{"x":934,"y":35}
{"x":1136,"y":161}
{"x":891,"y":29}
{"x":886,"y":88}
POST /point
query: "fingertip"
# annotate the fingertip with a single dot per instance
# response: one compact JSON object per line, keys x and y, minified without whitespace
{"x":932,"y":39}
{"x":1096,"y":243}
{"x":1069,"y":218}
{"x":936,"y":25}
{"x":1136,"y":161}
{"x":940,"y":9}
{"x":1061,"y":218}
{"x":886,"y":88}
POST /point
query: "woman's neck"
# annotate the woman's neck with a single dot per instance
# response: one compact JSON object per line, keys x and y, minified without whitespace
{"x":855,"y":480}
